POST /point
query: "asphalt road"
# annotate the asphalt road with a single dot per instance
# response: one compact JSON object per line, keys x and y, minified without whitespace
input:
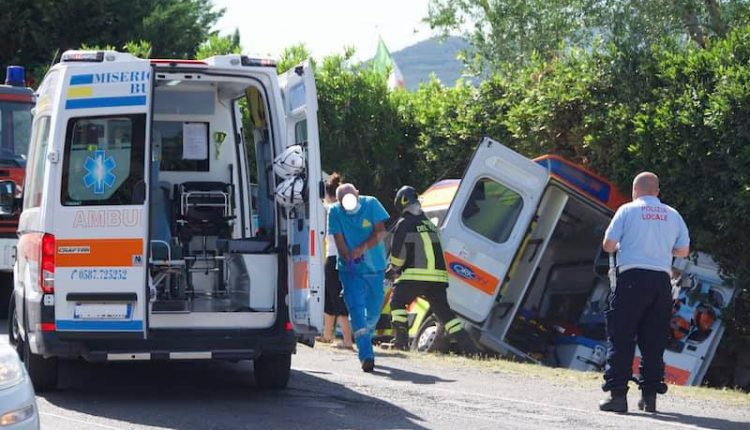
{"x":328,"y":391}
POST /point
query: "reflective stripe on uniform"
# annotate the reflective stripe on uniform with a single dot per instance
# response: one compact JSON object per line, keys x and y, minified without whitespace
{"x":429,"y":252}
{"x":453,"y":326}
{"x":361,"y":332}
{"x":423,"y":275}
{"x":397,"y":261}
{"x":399,"y":315}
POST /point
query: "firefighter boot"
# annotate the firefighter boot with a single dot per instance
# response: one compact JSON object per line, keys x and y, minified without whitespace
{"x":401,"y":336}
{"x":647,"y":402}
{"x":616,"y":401}
{"x":399,"y":324}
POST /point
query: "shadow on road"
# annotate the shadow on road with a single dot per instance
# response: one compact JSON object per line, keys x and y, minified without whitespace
{"x":188,"y":396}
{"x":698,"y":421}
{"x":404,"y":375}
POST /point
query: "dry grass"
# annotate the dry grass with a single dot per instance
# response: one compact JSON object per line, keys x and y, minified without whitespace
{"x":591,"y":380}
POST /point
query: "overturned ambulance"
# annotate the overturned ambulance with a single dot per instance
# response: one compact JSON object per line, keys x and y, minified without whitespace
{"x":522,"y":241}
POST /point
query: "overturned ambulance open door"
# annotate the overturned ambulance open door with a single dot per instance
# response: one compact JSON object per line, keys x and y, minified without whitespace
{"x":300,"y":193}
{"x":486,"y":223}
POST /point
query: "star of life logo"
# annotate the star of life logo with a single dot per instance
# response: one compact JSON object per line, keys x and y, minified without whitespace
{"x":99,"y":172}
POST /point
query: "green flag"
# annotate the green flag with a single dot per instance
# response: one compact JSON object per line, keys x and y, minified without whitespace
{"x":383,"y":63}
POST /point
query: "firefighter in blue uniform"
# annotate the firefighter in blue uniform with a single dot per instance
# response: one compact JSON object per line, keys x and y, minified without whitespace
{"x":417,"y":267}
{"x":646,"y":235}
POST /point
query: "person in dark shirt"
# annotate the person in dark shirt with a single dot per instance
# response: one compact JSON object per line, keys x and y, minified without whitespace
{"x":417,"y":267}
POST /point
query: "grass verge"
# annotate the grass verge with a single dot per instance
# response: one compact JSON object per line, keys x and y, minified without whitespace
{"x":590,"y":380}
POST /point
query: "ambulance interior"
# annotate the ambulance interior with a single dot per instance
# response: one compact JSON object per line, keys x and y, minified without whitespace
{"x":213,"y":255}
{"x":565,"y":299}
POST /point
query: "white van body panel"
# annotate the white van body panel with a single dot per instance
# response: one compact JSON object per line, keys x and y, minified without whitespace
{"x":305,"y":227}
{"x":84,"y":234}
{"x":477,"y":261}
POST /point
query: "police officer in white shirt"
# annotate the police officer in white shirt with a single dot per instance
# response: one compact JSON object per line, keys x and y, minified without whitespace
{"x":646,"y":235}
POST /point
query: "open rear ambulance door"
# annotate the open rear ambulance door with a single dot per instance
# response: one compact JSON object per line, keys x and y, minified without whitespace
{"x":100,"y":198}
{"x":306,"y":222}
{"x":486,"y":223}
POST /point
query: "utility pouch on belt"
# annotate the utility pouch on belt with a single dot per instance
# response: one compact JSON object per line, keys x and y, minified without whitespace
{"x":612,"y":272}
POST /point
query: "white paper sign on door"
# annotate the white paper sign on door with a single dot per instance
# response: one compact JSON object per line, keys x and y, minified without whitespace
{"x":194,"y":141}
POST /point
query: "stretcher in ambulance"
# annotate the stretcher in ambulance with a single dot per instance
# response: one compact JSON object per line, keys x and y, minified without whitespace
{"x":522,"y":242}
{"x":160,"y":223}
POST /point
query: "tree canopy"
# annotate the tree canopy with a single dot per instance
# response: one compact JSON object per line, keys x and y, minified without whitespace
{"x":34,"y":32}
{"x":511,"y":32}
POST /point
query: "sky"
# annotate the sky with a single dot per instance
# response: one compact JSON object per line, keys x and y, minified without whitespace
{"x":324,"y":26}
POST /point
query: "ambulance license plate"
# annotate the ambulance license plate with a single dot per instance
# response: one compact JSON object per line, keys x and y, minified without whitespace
{"x":102,"y":311}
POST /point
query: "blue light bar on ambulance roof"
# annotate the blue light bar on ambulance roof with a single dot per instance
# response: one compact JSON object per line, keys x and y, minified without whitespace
{"x":83,"y":56}
{"x":583,"y":180}
{"x":15,"y":76}
{"x":257,"y":62}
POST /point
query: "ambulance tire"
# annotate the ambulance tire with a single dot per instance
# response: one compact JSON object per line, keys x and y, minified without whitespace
{"x":272,"y":371}
{"x":13,"y":327}
{"x":430,"y":337}
{"x":6,"y":292}
{"x":42,"y":371}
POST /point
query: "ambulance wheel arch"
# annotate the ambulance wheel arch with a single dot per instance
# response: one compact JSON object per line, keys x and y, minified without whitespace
{"x":305,"y":219}
{"x":486,"y":223}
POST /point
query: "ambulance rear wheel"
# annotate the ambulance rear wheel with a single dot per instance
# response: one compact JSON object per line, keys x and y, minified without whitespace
{"x":14,"y":330}
{"x":42,"y":371}
{"x":430,"y":337}
{"x":13,"y":327}
{"x":6,"y":292}
{"x":272,"y":371}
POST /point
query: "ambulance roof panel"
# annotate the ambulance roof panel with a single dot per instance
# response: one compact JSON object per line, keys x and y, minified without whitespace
{"x":583,"y":180}
{"x":219,"y":61}
{"x":588,"y":183}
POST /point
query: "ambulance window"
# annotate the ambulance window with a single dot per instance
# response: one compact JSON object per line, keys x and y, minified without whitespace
{"x":181,"y":152}
{"x":300,"y":132}
{"x":103,"y":162}
{"x":37,"y":165}
{"x":21,"y":130}
{"x":15,"y":127}
{"x":492,"y":210}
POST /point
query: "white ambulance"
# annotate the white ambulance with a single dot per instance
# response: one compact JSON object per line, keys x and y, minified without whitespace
{"x":140,"y":237}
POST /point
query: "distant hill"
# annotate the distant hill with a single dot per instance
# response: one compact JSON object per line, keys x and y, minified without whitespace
{"x":418,"y":61}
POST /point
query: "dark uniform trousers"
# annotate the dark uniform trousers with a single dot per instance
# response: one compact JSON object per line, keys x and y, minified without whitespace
{"x":406,"y":292}
{"x":639,"y":311}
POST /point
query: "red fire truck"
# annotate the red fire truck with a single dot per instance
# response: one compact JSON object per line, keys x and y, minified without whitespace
{"x":16,"y":101}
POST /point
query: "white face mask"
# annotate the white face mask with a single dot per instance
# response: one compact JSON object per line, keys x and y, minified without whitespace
{"x":350,"y":203}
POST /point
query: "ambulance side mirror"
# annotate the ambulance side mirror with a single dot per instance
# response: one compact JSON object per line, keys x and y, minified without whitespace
{"x":8,"y":201}
{"x":601,"y":265}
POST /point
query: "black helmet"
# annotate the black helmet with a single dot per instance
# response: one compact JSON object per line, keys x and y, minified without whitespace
{"x":405,"y":197}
